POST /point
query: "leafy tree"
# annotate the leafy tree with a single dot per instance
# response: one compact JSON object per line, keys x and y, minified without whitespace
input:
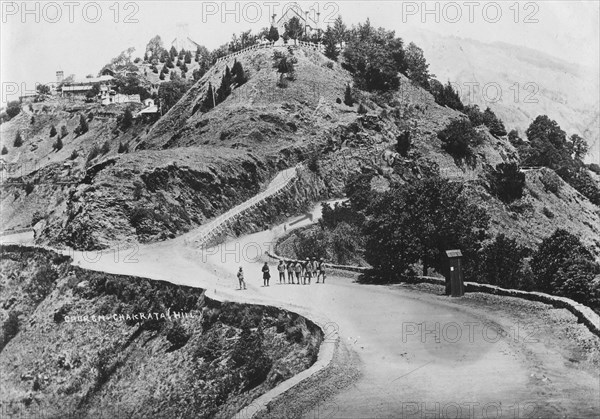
{"x":564,"y":266}
{"x":578,"y":147}
{"x":403,"y":143}
{"x":586,"y":185}
{"x":474,"y":114}
{"x":18,"y":140}
{"x":419,"y":222}
{"x":155,"y":47}
{"x":169,"y":93}
{"x":293,"y":28}
{"x":548,"y":144}
{"x":162,"y":76}
{"x":284,"y":66}
{"x":358,"y":190}
{"x":52,"y":131}
{"x":501,"y":263}
{"x":446,"y":95}
{"x":348,"y":99}
{"x":417,"y":67}
{"x":13,"y":108}
{"x":507,"y":182}
{"x":90,"y":116}
{"x":273,"y":34}
{"x":4,"y":150}
{"x":374,"y":57}
{"x":43,"y":89}
{"x":458,"y":138}
{"x":493,"y":123}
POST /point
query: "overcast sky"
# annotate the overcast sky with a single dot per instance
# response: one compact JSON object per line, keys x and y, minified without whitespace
{"x":80,"y":38}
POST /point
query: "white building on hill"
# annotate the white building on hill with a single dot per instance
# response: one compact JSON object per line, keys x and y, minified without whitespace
{"x":183,"y":40}
{"x":306,"y":20}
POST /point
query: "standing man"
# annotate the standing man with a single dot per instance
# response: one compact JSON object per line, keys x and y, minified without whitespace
{"x":314,"y":268}
{"x":298,"y":269}
{"x":307,"y":271}
{"x":266,"y":274}
{"x":281,"y":269}
{"x":240,"y":276}
{"x":321,"y":272}
{"x":290,"y":272}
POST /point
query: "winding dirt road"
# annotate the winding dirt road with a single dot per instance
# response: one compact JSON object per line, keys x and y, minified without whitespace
{"x":420,"y":355}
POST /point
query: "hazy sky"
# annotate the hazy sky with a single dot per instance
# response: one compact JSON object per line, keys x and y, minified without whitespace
{"x":79,"y":37}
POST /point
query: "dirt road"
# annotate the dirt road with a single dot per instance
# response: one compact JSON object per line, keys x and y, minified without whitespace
{"x":420,"y":355}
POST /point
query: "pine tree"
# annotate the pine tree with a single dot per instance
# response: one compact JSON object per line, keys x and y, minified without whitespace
{"x":348,"y":99}
{"x":58,"y":144}
{"x":224,"y":89}
{"x":173,"y":53}
{"x":52,"y":131}
{"x":162,"y":76}
{"x":273,"y":34}
{"x":63,"y":132}
{"x":83,"y":125}
{"x":329,"y":40}
{"x":18,"y":140}
{"x":239,"y":76}
{"x":209,"y":100}
{"x":188,"y":57}
{"x":4,"y":150}
{"x":123,"y":148}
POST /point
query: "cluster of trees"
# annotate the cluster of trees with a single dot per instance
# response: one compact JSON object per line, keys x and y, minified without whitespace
{"x":548,"y":146}
{"x":487,"y":118}
{"x":13,"y":108}
{"x":411,"y":225}
{"x":231,"y":79}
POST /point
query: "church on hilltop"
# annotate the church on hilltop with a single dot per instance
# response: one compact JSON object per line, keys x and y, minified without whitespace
{"x":308,"y":22}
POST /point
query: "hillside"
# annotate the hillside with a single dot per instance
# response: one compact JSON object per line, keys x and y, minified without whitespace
{"x":196,"y":357}
{"x":191,"y":166}
{"x":564,"y":91}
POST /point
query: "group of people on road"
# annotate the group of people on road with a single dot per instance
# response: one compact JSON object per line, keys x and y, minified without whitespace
{"x":296,"y":272}
{"x":303,"y":271}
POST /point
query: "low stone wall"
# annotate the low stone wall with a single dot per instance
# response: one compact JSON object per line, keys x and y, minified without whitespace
{"x":583,"y":313}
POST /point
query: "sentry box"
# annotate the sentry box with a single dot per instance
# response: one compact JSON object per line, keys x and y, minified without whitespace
{"x":454,"y":275}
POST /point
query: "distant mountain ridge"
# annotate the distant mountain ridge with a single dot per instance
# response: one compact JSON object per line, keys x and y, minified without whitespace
{"x":566,"y":92}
